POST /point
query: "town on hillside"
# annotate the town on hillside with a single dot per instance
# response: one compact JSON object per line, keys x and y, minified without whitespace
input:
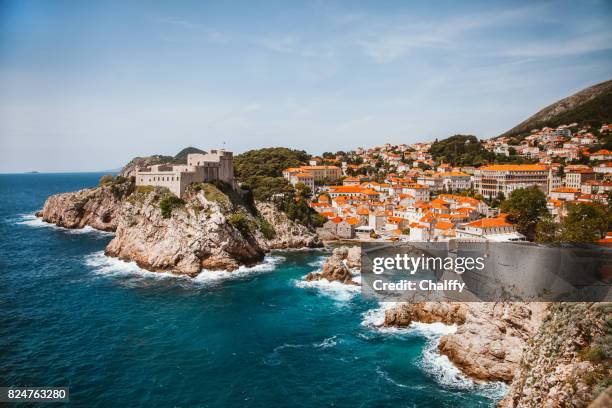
{"x":411,"y":193}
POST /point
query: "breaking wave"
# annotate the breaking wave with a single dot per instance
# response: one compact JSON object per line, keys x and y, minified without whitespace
{"x":109,"y":266}
{"x":434,"y":364}
{"x":336,"y":290}
{"x":35,"y":222}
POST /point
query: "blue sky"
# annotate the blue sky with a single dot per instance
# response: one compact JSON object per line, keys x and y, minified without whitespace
{"x":87,"y":85}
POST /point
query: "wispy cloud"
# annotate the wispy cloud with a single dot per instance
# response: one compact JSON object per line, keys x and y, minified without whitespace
{"x":579,"y":45}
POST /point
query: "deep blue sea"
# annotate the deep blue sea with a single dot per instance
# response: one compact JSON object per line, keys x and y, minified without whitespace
{"x":119,"y":336}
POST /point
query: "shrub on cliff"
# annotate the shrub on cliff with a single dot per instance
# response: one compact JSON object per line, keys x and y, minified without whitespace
{"x":168,"y":203}
{"x":241,"y":222}
{"x":297,"y":209}
{"x":106,"y":179}
{"x":266,"y":228}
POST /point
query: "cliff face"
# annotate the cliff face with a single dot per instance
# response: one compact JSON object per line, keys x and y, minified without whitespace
{"x":97,"y":207}
{"x":196,"y":235}
{"x":209,"y":229}
{"x":568,"y":362}
{"x":490,"y":336}
{"x":288,"y":234}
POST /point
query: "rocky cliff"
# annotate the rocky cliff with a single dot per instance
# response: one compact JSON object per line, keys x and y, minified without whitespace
{"x":210,"y":228}
{"x":568,"y":362}
{"x":287,"y":233}
{"x":97,"y":207}
{"x":338,"y":266}
{"x":197,"y":234}
{"x":490,"y":337}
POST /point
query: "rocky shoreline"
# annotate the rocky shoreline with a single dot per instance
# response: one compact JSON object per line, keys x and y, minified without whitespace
{"x":550,"y":354}
{"x":208,"y":229}
{"x":339,"y":266}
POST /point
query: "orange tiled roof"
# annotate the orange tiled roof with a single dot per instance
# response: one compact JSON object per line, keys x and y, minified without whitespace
{"x":490,"y":222}
{"x":346,"y":189}
{"x":565,"y":190}
{"x":444,"y":225}
{"x":363,"y":211}
{"x":514,"y":167}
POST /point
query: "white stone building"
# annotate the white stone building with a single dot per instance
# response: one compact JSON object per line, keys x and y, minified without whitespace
{"x":215,"y":165}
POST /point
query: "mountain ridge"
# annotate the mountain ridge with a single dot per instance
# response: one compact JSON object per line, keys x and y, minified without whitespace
{"x":592,"y":105}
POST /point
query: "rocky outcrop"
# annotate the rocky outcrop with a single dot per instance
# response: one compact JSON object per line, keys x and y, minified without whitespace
{"x":209,"y":229}
{"x":426,"y":312}
{"x":490,"y":336}
{"x":287,"y":234}
{"x":338,"y":266}
{"x":568,"y":362}
{"x":489,"y":345}
{"x":97,"y":207}
{"x":196,"y":235}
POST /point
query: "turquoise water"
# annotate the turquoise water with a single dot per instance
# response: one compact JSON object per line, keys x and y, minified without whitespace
{"x":119,"y":336}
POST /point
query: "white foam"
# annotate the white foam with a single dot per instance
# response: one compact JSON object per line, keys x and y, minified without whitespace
{"x":33,"y":221}
{"x":338,"y":291}
{"x":105,"y":265}
{"x":383,"y":374}
{"x":434,"y":364}
{"x":445,"y":373}
{"x":374,"y":318}
{"x":269,"y":264}
{"x":327,"y":343}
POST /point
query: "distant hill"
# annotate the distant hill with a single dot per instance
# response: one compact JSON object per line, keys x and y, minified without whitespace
{"x":181,"y":157}
{"x":592,"y":106}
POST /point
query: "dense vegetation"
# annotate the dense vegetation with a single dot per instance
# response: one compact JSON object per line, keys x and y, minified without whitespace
{"x":261,"y":170}
{"x":584,"y":223}
{"x":296,"y":207}
{"x":467,"y":150}
{"x":526,"y":207}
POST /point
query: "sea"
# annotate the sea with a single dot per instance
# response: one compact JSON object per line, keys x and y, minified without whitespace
{"x":120,"y":336}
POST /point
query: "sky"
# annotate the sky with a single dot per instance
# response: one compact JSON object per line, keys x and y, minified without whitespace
{"x":86,"y":86}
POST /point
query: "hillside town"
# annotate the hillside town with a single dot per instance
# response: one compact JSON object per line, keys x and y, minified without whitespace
{"x":404,"y":192}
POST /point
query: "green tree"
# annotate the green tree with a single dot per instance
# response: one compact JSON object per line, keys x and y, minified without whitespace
{"x":525,"y":207}
{"x":546,"y":230}
{"x":584,"y":223}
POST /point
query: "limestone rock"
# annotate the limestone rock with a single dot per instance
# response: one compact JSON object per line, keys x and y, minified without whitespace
{"x":338,"y":266}
{"x":426,"y":312}
{"x":97,"y":207}
{"x":567,"y":362}
{"x":289,"y":234}
{"x":489,"y":338}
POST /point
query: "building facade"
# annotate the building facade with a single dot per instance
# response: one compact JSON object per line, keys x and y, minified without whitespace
{"x":505,"y":178}
{"x":214,"y":165}
{"x":318,"y":173}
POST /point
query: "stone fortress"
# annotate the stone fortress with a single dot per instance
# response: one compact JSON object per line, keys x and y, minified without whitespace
{"x":214,"y":165}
